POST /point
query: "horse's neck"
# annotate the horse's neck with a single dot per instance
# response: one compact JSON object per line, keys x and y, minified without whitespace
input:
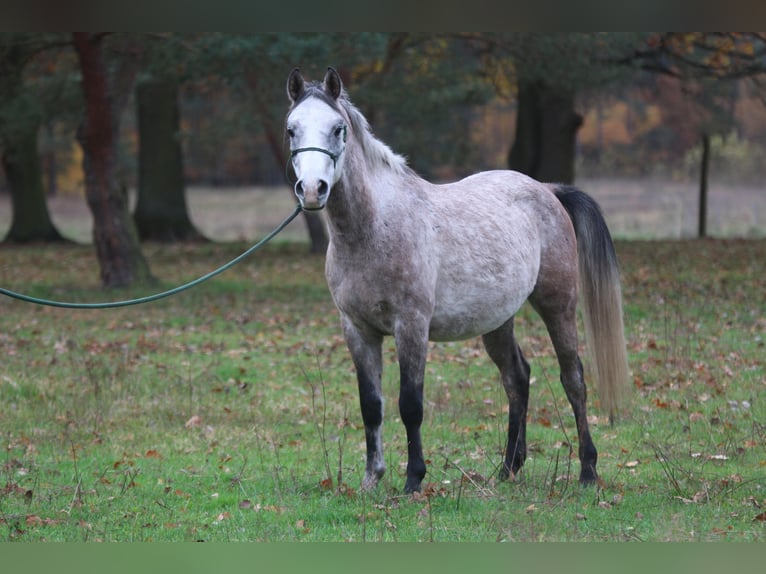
{"x":351,"y":210}
{"x":375,"y":187}
{"x":353,"y":207}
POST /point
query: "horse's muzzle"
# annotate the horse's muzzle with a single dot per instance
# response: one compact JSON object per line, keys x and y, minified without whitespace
{"x":312,"y":197}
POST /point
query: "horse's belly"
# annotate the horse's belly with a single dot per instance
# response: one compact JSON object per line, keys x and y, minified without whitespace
{"x":473,"y":314}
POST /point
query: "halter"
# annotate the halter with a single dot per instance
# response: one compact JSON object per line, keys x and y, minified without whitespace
{"x":293,"y":153}
{"x":333,"y":156}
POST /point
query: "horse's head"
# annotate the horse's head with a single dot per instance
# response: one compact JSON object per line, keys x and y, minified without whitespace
{"x":317,"y":133}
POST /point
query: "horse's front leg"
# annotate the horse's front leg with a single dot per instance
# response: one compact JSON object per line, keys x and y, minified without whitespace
{"x":366,"y":353}
{"x":412,"y":348}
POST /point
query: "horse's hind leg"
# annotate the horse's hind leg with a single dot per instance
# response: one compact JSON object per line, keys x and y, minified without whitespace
{"x":514,"y":373}
{"x":559,"y":315}
{"x":366,"y":354}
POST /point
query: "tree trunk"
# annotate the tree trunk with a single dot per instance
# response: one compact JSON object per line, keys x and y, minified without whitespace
{"x":50,"y":167}
{"x":704,"y":167}
{"x":114,"y":235}
{"x":30,"y":220}
{"x":161,"y":212}
{"x":524,"y":155}
{"x":546,"y":133}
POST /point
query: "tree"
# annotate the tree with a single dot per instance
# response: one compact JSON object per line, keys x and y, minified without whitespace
{"x":161,"y":213}
{"x":420,"y":94}
{"x":20,"y":120}
{"x":548,"y":72}
{"x":546,"y":131}
{"x":705,"y":63}
{"x":119,"y":254}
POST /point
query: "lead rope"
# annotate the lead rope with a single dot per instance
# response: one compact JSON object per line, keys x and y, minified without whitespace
{"x":156,"y":296}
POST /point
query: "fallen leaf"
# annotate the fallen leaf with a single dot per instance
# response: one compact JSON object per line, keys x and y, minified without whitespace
{"x":194,"y":421}
{"x":700,"y":496}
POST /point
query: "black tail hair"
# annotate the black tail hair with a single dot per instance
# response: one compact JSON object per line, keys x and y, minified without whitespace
{"x":601,"y":296}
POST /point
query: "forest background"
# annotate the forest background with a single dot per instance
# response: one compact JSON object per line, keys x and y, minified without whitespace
{"x":135,"y":123}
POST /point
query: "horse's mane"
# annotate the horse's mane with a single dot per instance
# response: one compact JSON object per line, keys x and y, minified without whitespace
{"x":375,"y":151}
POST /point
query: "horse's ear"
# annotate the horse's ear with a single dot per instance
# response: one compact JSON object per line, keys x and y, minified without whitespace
{"x":295,"y":85}
{"x":332,"y":83}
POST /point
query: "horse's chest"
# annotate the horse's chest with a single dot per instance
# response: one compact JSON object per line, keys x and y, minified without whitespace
{"x":376,"y":293}
{"x":365,"y":303}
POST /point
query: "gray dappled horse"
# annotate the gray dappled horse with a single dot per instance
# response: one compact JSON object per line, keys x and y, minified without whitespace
{"x":419,"y":261}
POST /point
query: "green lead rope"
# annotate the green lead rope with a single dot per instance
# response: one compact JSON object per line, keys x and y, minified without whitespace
{"x":155,"y":297}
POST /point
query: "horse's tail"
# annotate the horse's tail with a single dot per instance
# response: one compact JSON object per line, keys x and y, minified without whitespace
{"x":601,"y":297}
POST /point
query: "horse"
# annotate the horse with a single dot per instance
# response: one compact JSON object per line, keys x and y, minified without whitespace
{"x":421,"y":261}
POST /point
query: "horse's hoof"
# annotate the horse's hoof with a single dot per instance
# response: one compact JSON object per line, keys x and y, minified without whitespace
{"x":412,"y":485}
{"x":370,"y":482}
{"x":589,"y":477}
{"x":506,"y":473}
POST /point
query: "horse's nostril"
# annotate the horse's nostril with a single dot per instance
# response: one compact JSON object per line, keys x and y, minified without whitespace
{"x":299,"y":189}
{"x":323,"y":188}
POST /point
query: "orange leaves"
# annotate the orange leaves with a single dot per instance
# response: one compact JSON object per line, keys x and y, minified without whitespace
{"x":725,"y":54}
{"x":35,"y":521}
{"x":301,"y":525}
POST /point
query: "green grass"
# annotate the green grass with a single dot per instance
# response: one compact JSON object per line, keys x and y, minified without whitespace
{"x":230,"y":413}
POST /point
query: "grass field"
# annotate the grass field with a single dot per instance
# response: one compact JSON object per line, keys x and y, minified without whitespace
{"x":230,"y":412}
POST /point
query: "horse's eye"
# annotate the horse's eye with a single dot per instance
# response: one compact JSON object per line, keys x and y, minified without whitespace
{"x":290,"y":133}
{"x":340,"y":130}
